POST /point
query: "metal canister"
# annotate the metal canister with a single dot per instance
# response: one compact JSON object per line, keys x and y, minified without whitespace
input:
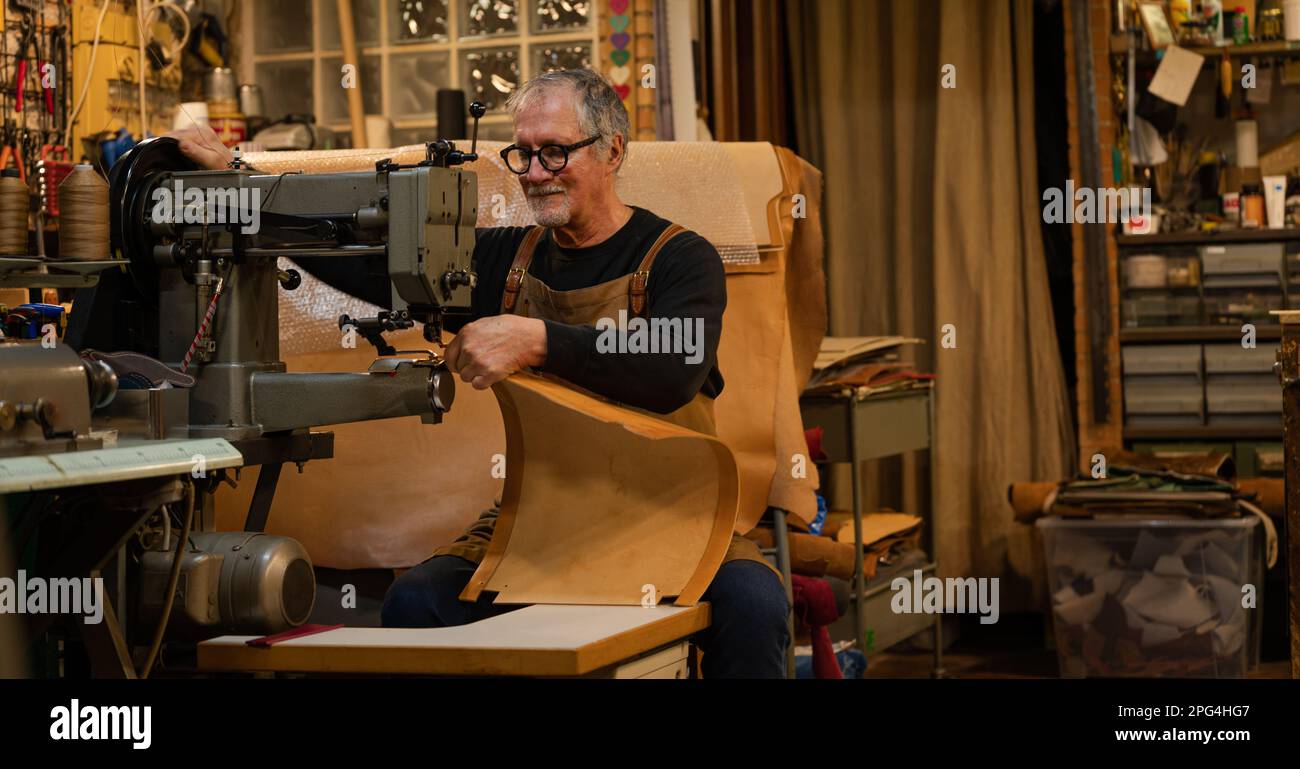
{"x":219,"y":85}
{"x":250,"y":101}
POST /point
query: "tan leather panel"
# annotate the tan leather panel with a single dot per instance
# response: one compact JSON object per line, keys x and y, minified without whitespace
{"x":601,"y":501}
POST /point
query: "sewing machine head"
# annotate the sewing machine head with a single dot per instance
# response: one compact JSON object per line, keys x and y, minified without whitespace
{"x":203,"y":248}
{"x":168,"y":215}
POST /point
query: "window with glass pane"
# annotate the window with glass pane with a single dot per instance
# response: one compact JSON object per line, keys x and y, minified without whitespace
{"x":561,"y":15}
{"x":401,"y":137}
{"x":334,"y":97}
{"x":284,"y":27}
{"x":490,"y":75}
{"x":547,"y":58}
{"x":412,"y":21}
{"x":365,"y":20}
{"x":480,"y":18}
{"x":413,"y":83}
{"x":286,"y":87}
{"x":496,"y":132}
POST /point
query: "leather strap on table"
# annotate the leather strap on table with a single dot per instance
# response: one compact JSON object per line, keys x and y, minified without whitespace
{"x":641,"y":278}
{"x":519,"y":268}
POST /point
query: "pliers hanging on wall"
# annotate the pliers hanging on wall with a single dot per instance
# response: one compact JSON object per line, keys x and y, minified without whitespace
{"x":26,"y":40}
{"x":11,"y":149}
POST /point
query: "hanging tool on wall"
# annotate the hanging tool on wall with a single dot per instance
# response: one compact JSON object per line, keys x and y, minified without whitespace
{"x":8,"y":133}
{"x":207,"y":40}
{"x":1223,"y":94}
{"x":12,"y":150}
{"x":28,"y":40}
{"x":59,"y":57}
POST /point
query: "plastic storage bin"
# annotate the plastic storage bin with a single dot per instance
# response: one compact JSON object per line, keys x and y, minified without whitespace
{"x":1162,"y":385}
{"x":1240,"y":383}
{"x":1134,"y":597}
{"x":1257,"y":259}
{"x":1243,"y":305}
{"x":1161,"y":308}
{"x":1161,"y":359}
{"x":1235,"y":359}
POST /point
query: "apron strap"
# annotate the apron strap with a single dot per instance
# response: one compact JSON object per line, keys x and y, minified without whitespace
{"x":641,"y":278}
{"x":636,"y":286}
{"x":519,"y":268}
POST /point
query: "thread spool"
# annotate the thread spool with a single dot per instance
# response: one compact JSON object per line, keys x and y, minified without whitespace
{"x":83,"y":215}
{"x":219,"y":85}
{"x":15,"y":202}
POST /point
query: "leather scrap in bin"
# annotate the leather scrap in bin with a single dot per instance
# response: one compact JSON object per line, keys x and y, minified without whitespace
{"x":1153,"y":490}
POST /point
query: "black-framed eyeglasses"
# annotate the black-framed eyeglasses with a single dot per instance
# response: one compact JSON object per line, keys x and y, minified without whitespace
{"x":553,"y":157}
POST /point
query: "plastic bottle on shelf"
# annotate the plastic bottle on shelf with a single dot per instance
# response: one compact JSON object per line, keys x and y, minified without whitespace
{"x":1180,"y":12}
{"x":1240,"y":26}
{"x":1212,"y":11}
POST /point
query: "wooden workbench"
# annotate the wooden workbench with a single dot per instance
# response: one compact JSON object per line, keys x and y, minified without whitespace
{"x":540,"y":640}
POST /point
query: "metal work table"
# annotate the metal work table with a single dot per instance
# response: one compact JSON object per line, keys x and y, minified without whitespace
{"x":106,"y":533}
{"x":855,"y":430}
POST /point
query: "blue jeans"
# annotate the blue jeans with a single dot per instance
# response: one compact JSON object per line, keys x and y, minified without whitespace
{"x":747,"y":637}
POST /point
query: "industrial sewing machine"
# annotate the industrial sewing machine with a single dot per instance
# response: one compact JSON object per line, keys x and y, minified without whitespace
{"x":170,"y":373}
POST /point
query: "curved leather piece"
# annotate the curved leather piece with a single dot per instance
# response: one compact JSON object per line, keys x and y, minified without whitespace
{"x":601,"y":501}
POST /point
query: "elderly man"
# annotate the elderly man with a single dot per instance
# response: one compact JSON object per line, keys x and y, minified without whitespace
{"x":540,"y":292}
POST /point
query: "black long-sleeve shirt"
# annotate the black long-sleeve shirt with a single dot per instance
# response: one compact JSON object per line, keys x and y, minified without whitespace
{"x":687,"y":282}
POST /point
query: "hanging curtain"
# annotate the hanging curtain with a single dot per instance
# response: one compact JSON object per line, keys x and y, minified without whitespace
{"x":932,"y":225}
{"x":745,"y":67}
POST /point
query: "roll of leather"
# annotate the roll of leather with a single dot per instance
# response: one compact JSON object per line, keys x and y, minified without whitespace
{"x":1027,"y":499}
{"x":814,"y":556}
{"x":1270,"y":494}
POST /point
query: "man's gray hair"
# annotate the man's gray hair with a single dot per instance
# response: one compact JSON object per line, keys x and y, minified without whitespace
{"x":600,"y":111}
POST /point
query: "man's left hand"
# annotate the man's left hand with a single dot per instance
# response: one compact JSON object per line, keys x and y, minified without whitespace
{"x":491,"y":349}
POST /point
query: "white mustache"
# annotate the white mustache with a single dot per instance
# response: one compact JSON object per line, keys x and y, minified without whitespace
{"x":541,"y":191}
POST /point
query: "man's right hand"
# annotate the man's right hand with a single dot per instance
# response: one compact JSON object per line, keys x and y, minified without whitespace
{"x":200,"y":144}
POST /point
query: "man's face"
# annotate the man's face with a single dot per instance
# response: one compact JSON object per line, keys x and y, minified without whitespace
{"x":551,"y":118}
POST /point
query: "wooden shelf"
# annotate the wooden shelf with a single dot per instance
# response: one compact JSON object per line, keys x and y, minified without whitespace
{"x":1204,"y":432}
{"x":1119,"y":46}
{"x":1194,"y":237}
{"x":1261,"y":48}
{"x":1195,"y":334}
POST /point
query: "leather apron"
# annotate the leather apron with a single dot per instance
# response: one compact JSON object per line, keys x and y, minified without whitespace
{"x":529,"y":297}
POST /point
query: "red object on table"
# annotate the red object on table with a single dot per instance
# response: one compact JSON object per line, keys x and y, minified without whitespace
{"x":54,"y":166}
{"x":298,"y":632}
